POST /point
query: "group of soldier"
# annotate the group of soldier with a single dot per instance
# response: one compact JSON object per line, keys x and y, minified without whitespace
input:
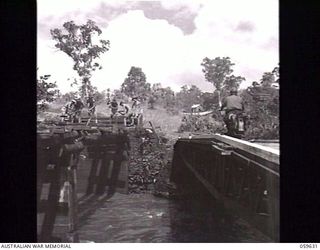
{"x":231,"y":105}
{"x":73,"y":109}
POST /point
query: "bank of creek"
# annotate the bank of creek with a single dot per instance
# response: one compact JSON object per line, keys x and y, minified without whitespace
{"x":155,"y":210}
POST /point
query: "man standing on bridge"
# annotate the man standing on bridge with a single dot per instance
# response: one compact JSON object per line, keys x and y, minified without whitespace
{"x":91,"y":105}
{"x":68,"y":108}
{"x":77,"y":108}
{"x":114,"y":107}
{"x":91,"y":109}
{"x":136,"y":103}
{"x":125,"y":107}
{"x":73,"y":109}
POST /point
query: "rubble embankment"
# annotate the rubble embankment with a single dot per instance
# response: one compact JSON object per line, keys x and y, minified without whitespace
{"x":150,"y":166}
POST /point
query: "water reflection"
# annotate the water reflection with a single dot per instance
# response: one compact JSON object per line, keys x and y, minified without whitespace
{"x":145,"y":218}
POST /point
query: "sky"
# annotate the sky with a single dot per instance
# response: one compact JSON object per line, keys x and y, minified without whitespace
{"x":167,"y":39}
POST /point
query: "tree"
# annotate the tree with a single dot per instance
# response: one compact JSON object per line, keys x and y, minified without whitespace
{"x":156,"y":91}
{"x":156,"y":86}
{"x":231,"y":82}
{"x":218,"y":72}
{"x":46,"y":91}
{"x":168,"y":97}
{"x":136,"y":84}
{"x":163,"y":96}
{"x":67,"y":97}
{"x":262,"y":105}
{"x":76,"y":41}
{"x":208,"y":100}
{"x":97,"y":95}
{"x":119,"y":95}
{"x":189,"y":96}
{"x":276,"y":73}
{"x":267,"y":79}
{"x":151,"y":101}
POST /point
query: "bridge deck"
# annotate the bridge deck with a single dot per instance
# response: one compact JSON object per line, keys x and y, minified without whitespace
{"x":258,"y":149}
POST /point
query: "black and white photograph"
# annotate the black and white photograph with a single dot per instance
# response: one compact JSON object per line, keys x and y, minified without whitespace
{"x":158,"y":121}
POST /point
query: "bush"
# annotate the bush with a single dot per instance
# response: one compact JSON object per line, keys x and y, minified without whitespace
{"x":202,"y":124}
{"x":263,"y":113}
{"x":172,"y":111}
{"x":262,"y":127}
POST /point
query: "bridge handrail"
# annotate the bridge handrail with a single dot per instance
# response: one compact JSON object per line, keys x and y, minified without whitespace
{"x":267,"y":153}
{"x":243,"y":182}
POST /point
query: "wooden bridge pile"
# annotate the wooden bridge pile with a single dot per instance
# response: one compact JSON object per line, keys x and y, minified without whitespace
{"x":65,"y":181}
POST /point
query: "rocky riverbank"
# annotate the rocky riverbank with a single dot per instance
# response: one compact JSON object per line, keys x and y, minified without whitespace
{"x":150,"y":166}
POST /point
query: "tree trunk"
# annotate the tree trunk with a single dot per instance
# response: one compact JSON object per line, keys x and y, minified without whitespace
{"x":219,"y":98}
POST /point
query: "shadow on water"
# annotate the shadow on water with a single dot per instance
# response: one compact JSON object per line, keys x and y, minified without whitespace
{"x":196,"y":217}
{"x":193,"y":217}
{"x":146,"y":218}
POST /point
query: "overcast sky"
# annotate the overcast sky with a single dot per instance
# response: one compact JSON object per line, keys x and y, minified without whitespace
{"x":167,"y":39}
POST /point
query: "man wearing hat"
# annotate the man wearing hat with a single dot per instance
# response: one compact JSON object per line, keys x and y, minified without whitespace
{"x":91,"y":105}
{"x":77,"y":108}
{"x":232,"y":104}
{"x":114,"y":107}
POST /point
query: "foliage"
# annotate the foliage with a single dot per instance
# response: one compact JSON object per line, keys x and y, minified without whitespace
{"x":261,"y":102}
{"x":218,"y":71}
{"x":231,"y":82}
{"x":136,"y":84}
{"x":46,"y":92}
{"x":201,"y":124}
{"x":262,"y":106}
{"x":76,"y":41}
{"x":209,"y":100}
{"x":97,"y":95}
{"x":267,"y":79}
{"x":188,"y":96}
{"x":276,"y":73}
{"x":67,"y":97}
{"x":119,"y":95}
{"x":151,"y":102}
{"x":163,"y":96}
{"x":169,"y":98}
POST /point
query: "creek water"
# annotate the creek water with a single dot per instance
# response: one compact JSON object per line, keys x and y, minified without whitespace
{"x":145,"y":218}
{"x":148,"y":219}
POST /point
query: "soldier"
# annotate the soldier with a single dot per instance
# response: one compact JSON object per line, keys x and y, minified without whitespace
{"x":69,"y":107}
{"x":136,"y":103}
{"x":125,"y":107}
{"x":233,"y":104}
{"x":114,"y":107}
{"x":91,"y":105}
{"x":78,"y":106}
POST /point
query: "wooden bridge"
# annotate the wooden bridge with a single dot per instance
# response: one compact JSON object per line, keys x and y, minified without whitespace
{"x":68,"y":187}
{"x":79,"y":165}
{"x":107,"y":121}
{"x":242,"y":176}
